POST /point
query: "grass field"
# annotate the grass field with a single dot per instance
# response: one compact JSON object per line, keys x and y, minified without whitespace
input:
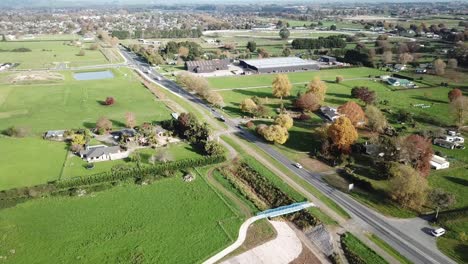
{"x":353,"y":246}
{"x":46,"y":54}
{"x":169,"y":221}
{"x":74,"y":104}
{"x":29,"y":161}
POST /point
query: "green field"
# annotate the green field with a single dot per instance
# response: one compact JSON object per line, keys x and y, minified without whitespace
{"x":76,"y":104}
{"x":46,"y":54}
{"x":29,"y":161}
{"x":169,"y":221}
{"x":352,"y":246}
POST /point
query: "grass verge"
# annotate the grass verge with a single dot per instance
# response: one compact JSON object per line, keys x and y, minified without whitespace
{"x":357,"y":252}
{"x":383,"y":245}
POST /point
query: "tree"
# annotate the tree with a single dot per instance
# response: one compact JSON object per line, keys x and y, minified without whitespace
{"x":387,"y":56}
{"x":109,"y":100}
{"x":354,"y":112}
{"x":251,"y":46}
{"x":376,"y":120}
{"x":284,"y":120}
{"x":339,"y":79}
{"x":439,"y":67}
{"x":183,"y":52}
{"x":363,"y":93}
{"x":333,"y":27}
{"x":4,"y":38}
{"x":281,"y":87}
{"x":94,"y":46}
{"x":114,"y":41}
{"x":417,"y":151}
{"x":407,"y":188}
{"x":81,"y":52}
{"x":215,"y":99}
{"x":286,"y":52}
{"x":276,"y":133}
{"x":405,"y":58}
{"x":248,"y":106}
{"x":103,"y":125}
{"x":213,"y":148}
{"x":307,"y":102}
{"x":441,"y":199}
{"x":130,"y":120}
{"x":459,"y":108}
{"x":318,"y":88}
{"x":454,"y":94}
{"x":77,"y":142}
{"x":452,"y":63}
{"x":284,"y":33}
{"x":342,"y":134}
{"x":17,"y":131}
{"x":262,"y":53}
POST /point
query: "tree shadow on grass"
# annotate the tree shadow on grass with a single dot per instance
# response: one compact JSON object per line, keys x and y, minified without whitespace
{"x":339,"y":95}
{"x":89,"y":125}
{"x":117,"y":123}
{"x":335,"y":101}
{"x":457,"y":180}
{"x":252,"y":93}
{"x":422,"y":98}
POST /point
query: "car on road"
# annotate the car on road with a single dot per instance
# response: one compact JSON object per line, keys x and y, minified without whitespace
{"x":437,"y":232}
{"x":221,"y":118}
{"x":298,"y":165}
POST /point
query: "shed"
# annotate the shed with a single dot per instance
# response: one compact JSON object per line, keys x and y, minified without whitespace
{"x":439,"y":163}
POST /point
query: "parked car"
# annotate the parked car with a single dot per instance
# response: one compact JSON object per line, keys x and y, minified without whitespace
{"x":437,"y":232}
{"x":298,"y":165}
{"x":221,"y":118}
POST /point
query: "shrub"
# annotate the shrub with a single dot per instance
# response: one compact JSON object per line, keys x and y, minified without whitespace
{"x":17,"y":131}
{"x":109,"y":101}
{"x":250,"y":125}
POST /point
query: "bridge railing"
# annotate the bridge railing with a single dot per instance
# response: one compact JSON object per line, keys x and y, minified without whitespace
{"x":287,"y":209}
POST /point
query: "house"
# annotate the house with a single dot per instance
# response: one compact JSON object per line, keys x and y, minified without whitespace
{"x":55,"y":135}
{"x":400,"y":82}
{"x":455,"y":139}
{"x":444,"y":143}
{"x":399,"y":67}
{"x":421,"y":70}
{"x":102,"y":153}
{"x":438,"y":163}
{"x":328,"y":59}
{"x":330,"y":112}
{"x":124,"y":133}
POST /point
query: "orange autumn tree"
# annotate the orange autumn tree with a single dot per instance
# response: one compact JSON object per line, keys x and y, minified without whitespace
{"x":354,"y":112}
{"x":342,"y":134}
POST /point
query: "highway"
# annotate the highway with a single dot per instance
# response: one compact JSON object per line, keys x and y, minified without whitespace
{"x":414,"y":250}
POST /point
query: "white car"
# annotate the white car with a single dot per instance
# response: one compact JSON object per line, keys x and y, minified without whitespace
{"x":438,"y":232}
{"x":299,"y":166}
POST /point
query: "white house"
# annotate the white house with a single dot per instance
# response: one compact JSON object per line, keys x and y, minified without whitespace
{"x":55,"y":135}
{"x":438,"y":163}
{"x":330,"y":112}
{"x":102,"y":153}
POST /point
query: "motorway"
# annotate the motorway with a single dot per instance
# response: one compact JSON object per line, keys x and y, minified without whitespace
{"x":415,"y":250}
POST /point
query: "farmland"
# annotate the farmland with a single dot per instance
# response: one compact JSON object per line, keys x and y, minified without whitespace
{"x":155,"y":224}
{"x":35,"y":152}
{"x":75,"y":104}
{"x":48,"y":54}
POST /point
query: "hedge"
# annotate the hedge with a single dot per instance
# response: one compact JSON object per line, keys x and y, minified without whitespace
{"x":358,"y":182}
{"x":136,"y":173}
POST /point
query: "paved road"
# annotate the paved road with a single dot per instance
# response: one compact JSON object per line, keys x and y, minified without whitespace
{"x":416,"y":250}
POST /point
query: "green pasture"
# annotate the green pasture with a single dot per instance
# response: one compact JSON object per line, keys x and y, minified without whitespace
{"x":170,"y":221}
{"x":29,"y":161}
{"x":48,"y":54}
{"x":76,"y":104}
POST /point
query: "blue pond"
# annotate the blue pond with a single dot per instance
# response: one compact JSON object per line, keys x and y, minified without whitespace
{"x":97,"y":75}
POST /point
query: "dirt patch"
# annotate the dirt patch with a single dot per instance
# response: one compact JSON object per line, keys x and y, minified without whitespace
{"x":315,"y":165}
{"x":306,"y":257}
{"x":28,"y":77}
